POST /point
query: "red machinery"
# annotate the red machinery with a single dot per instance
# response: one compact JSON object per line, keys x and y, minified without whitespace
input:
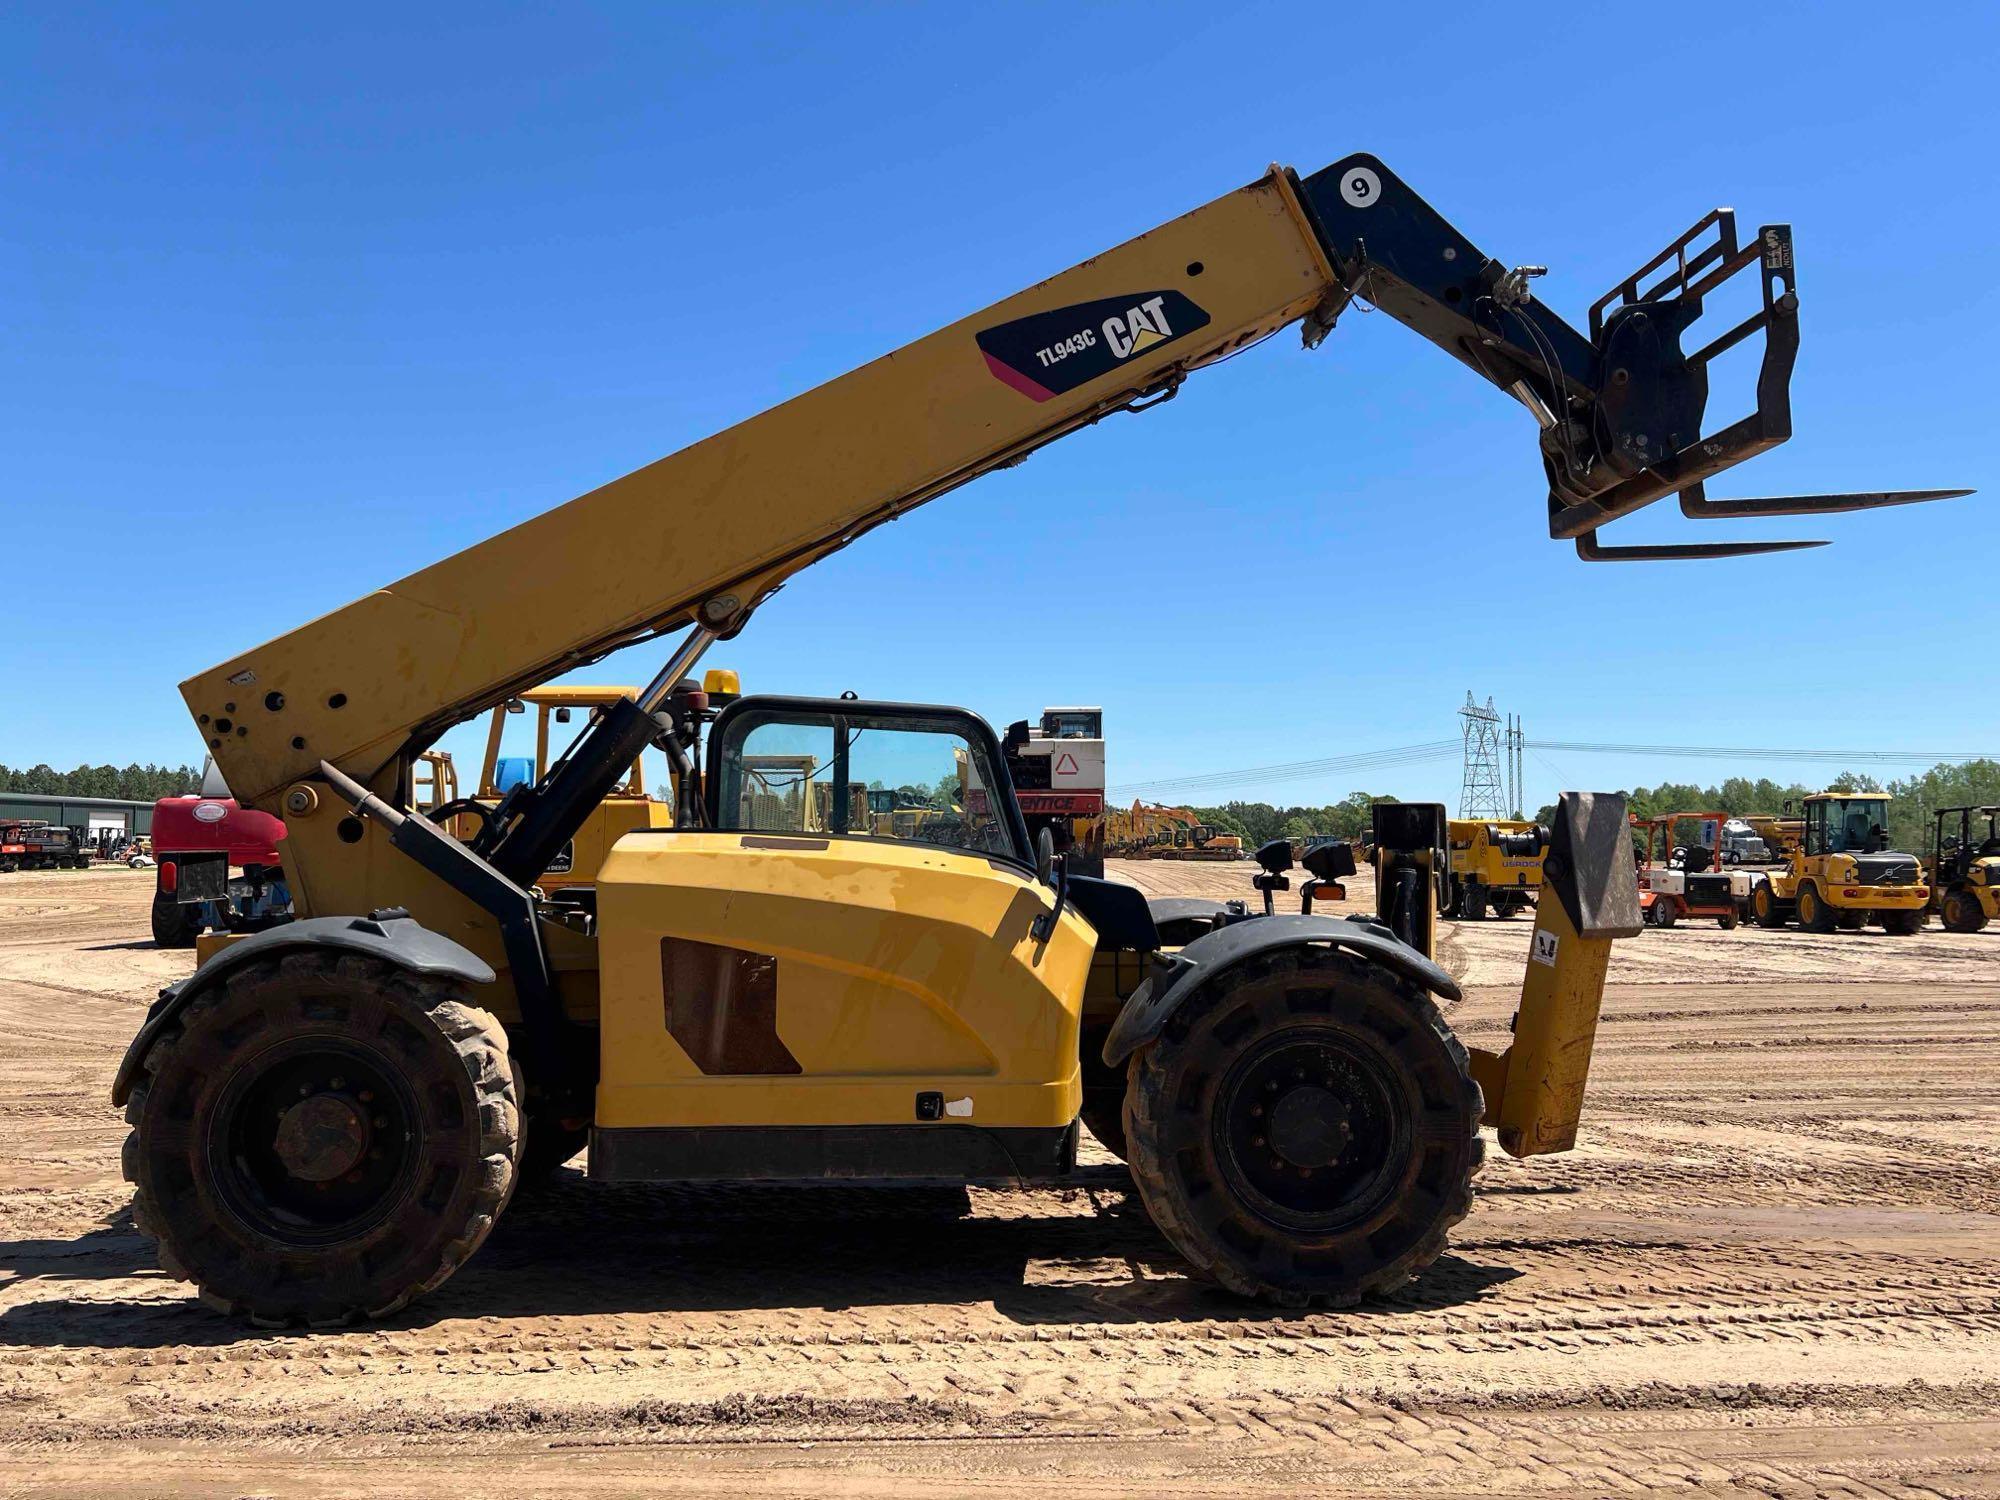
{"x":1686,"y":880}
{"x":197,"y":840}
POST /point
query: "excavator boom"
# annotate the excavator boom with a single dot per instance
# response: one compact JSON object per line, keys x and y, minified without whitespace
{"x":702,"y":535}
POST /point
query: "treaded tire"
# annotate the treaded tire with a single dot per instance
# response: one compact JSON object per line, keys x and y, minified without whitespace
{"x":1190,"y":1090}
{"x":1814,"y":914}
{"x":1902,"y":923}
{"x":227,"y":1214}
{"x":174,"y":925}
{"x":1764,"y":909}
{"x":1962,"y":912}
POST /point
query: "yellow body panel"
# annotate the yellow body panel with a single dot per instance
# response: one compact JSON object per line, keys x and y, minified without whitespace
{"x":898,"y":969}
{"x":1832,"y":875}
{"x":1534,"y":1089}
{"x":1474,"y":855}
{"x":734,"y":514}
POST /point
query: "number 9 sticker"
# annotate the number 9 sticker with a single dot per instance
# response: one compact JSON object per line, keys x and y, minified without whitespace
{"x":1360,"y":187}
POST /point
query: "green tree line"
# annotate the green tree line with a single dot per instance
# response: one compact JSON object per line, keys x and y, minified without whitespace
{"x":1260,"y":822}
{"x":1912,"y":801}
{"x":137,"y":783}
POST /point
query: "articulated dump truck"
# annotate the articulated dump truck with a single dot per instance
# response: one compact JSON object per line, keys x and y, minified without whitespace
{"x":328,"y":1116}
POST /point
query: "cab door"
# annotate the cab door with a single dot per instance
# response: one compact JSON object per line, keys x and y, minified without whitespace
{"x":803,"y":963}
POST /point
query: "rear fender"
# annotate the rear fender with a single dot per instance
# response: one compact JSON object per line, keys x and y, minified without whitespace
{"x":395,"y":937}
{"x":1176,"y":977}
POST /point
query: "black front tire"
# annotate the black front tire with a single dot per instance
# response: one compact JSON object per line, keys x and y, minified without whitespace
{"x":1764,"y":910}
{"x":174,"y":925}
{"x":322,"y":1136}
{"x":1814,"y":914}
{"x":1306,"y":1130}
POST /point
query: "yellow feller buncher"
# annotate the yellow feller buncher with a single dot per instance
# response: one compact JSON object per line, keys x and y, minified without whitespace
{"x":1843,"y":873}
{"x":328,"y":1117}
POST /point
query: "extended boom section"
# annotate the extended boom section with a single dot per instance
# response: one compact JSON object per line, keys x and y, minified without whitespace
{"x":706,"y":533}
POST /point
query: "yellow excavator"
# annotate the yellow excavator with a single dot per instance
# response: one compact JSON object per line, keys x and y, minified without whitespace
{"x":327,"y":1117}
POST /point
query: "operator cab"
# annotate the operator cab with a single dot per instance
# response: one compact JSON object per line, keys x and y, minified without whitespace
{"x":841,"y":768}
{"x":920,"y":774}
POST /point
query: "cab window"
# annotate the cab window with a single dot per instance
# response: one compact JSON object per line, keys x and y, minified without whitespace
{"x":912,"y":778}
{"x":1851,"y":827}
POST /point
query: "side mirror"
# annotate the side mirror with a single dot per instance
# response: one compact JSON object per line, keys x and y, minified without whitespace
{"x":1045,"y":856}
{"x":516,"y":706}
{"x":562,"y":716}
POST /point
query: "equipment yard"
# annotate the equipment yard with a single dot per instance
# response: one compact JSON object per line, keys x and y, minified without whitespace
{"x":1772,"y":1262}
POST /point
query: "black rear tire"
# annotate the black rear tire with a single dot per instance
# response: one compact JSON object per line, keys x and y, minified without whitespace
{"x":1902,"y":923}
{"x":322,"y":1136}
{"x":1962,"y":912}
{"x":1306,"y":1130}
{"x":174,"y":925}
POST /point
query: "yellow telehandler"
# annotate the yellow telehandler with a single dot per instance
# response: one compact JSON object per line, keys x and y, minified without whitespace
{"x":327,"y":1117}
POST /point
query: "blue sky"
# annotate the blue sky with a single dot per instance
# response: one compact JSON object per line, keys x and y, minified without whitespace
{"x":296,"y":302}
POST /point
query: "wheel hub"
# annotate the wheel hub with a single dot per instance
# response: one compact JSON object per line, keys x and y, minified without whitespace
{"x":322,"y":1137}
{"x":1309,"y":1127}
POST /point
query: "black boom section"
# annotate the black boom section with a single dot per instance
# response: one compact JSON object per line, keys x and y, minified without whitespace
{"x":1621,"y":407}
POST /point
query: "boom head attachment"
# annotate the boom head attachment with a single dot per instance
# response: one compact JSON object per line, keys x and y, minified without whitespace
{"x":1622,"y":406}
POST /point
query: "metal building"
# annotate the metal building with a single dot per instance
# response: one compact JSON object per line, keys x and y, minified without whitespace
{"x":94,"y":815}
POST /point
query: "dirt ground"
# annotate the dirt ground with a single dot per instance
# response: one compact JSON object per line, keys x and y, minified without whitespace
{"x":1772,"y":1264}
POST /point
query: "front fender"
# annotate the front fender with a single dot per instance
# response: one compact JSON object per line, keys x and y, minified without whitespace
{"x":400,"y":939}
{"x":1176,"y":976}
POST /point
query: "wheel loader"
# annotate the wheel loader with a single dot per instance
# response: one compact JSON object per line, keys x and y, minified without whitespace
{"x":1844,"y":875}
{"x":328,"y":1117}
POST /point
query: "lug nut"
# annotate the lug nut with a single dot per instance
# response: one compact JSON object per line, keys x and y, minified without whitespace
{"x":366,"y":1096}
{"x":380,"y":1122}
{"x":1256,"y":1140}
{"x":336,"y":1082}
{"x":1256,"y":1111}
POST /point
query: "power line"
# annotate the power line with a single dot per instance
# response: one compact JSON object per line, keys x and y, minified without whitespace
{"x":1739,"y":752}
{"x":1367,"y":760}
{"x":1431,"y":750}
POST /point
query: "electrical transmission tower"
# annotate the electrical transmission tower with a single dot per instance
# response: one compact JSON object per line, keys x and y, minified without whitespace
{"x":1516,"y":768}
{"x":1481,"y":794}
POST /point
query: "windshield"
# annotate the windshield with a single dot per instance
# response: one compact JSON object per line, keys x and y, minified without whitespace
{"x":914,"y":778}
{"x":1856,"y":826}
